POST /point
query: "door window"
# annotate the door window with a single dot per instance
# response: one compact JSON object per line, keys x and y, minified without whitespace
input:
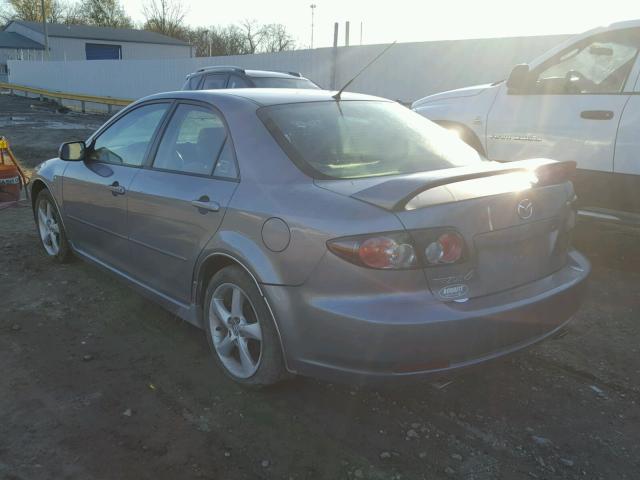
{"x":211,"y":82}
{"x":193,"y":82}
{"x":193,"y":142}
{"x":237,"y":82}
{"x":125,"y":142}
{"x":600,"y":64}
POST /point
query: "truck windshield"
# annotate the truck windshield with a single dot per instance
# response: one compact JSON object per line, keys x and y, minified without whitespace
{"x":358,"y":139}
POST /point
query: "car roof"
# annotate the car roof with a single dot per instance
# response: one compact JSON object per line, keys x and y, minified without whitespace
{"x":249,"y":73}
{"x":264,"y":96}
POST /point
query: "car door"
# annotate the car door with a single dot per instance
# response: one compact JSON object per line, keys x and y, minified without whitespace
{"x":570,"y":108}
{"x":177,"y":204}
{"x":95,"y":190}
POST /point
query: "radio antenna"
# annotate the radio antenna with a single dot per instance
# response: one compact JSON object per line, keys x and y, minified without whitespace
{"x":337,"y":96}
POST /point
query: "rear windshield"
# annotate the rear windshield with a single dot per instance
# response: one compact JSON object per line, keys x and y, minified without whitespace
{"x":356,"y":139}
{"x":279,"y":82}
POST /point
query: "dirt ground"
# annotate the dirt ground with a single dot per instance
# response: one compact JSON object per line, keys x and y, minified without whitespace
{"x":99,"y":383}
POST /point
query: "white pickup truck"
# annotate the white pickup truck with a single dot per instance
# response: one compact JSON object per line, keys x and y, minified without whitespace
{"x":579,"y":101}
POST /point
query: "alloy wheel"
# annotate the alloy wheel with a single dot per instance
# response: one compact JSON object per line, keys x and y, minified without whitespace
{"x":49,"y":228}
{"x":236,"y":330}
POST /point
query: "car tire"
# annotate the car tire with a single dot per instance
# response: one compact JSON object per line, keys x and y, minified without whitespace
{"x":53,"y":237}
{"x":233,"y":326}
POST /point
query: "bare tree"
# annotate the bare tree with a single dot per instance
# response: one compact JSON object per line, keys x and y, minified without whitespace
{"x":105,"y":13}
{"x":275,"y":38}
{"x":253,"y":34}
{"x":31,"y":10}
{"x":164,"y":16}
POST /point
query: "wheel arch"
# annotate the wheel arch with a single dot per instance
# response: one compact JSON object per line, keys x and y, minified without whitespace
{"x":467,"y":134}
{"x":36,"y":187}
{"x":213,"y":263}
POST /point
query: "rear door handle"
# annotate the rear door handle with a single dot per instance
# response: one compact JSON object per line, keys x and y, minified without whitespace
{"x":116,"y":189}
{"x":597,"y":114}
{"x":205,"y":205}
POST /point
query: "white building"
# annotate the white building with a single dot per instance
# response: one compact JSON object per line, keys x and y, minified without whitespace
{"x":83,"y":42}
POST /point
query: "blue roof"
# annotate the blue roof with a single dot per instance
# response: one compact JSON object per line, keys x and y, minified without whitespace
{"x":14,"y":40}
{"x":89,"y":32}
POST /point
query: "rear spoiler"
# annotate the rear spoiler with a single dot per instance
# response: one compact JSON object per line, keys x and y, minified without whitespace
{"x":395,"y":193}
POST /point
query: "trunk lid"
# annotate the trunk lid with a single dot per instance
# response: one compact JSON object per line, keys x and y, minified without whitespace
{"x":515,"y":219}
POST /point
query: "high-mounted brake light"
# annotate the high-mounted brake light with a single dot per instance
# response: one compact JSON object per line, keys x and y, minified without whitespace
{"x":387,"y":252}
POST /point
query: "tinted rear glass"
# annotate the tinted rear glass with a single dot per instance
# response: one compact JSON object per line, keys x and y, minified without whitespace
{"x":279,"y":82}
{"x":355,"y":139}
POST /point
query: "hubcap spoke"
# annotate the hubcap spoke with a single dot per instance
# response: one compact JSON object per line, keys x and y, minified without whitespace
{"x":225,"y":346}
{"x":251,"y":330}
{"x":42,"y":217}
{"x":245,"y":356}
{"x":221,"y":311}
{"x":49,"y":216}
{"x":54,"y":228}
{"x":237,"y":299}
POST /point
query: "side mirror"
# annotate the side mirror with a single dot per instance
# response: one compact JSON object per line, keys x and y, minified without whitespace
{"x":519,"y":77}
{"x":72,"y":151}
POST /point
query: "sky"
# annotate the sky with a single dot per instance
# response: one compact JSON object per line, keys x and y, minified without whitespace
{"x":408,"y":21}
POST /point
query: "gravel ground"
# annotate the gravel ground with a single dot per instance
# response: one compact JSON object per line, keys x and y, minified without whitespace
{"x":99,"y":383}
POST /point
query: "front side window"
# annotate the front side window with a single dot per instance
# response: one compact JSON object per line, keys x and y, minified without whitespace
{"x":193,"y":142}
{"x":601,"y":64}
{"x":214,"y":81}
{"x":355,"y":139}
{"x":193,"y":82}
{"x":126,"y":141}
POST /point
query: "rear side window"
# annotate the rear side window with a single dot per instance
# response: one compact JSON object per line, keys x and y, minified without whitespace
{"x":214,"y":81}
{"x":357,"y":139}
{"x":237,"y":82}
{"x":193,"y":142}
{"x":281,"y":82}
{"x":126,"y":141}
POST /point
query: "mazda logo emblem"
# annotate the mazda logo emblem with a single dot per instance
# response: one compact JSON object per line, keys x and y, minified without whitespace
{"x":525,"y":209}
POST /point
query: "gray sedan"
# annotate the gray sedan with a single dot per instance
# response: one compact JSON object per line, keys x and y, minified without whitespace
{"x":343,"y":238}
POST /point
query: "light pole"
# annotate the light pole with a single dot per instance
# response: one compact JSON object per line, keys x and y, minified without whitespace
{"x":313,"y":9}
{"x":44,"y":29}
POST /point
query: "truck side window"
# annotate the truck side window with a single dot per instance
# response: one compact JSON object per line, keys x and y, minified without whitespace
{"x":599,"y":64}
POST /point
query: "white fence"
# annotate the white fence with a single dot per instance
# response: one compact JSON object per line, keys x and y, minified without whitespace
{"x":407,"y":72}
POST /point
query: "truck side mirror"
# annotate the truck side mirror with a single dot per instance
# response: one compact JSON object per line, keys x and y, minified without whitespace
{"x":519,"y":77}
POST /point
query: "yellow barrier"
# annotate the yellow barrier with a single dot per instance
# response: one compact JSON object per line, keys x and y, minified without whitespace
{"x":109,"y":101}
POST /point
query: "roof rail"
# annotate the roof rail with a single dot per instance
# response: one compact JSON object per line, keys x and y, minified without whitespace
{"x":295,"y":74}
{"x":225,"y":68}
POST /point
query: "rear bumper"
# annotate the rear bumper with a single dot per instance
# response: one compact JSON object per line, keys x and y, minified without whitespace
{"x":411,"y":336}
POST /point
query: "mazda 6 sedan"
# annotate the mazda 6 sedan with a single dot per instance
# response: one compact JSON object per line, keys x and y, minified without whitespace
{"x":343,"y":238}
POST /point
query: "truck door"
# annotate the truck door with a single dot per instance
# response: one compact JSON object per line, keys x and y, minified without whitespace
{"x":570,"y":108}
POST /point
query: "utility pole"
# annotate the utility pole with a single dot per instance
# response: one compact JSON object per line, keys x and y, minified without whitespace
{"x":346,"y":34}
{"x":360,"y":33}
{"x":44,"y":28}
{"x":313,"y":10}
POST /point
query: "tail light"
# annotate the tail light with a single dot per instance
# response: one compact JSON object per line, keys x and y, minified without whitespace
{"x":447,"y":248}
{"x":394,"y":251}
{"x":385,"y":251}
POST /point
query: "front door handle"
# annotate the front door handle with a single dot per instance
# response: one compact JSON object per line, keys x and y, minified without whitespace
{"x":204,"y":205}
{"x":116,"y":189}
{"x":597,"y":114}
